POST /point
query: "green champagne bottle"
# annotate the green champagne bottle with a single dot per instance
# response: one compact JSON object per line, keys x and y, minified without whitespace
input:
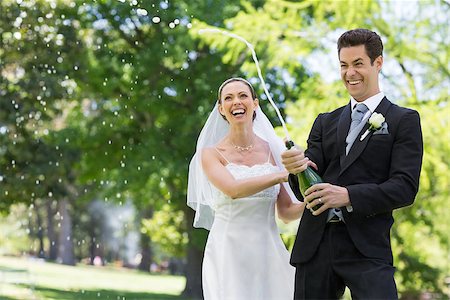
{"x":307,"y":178}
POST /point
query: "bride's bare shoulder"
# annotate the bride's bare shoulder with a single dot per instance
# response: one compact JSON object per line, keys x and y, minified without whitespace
{"x":207,"y":151}
{"x":212,"y":154}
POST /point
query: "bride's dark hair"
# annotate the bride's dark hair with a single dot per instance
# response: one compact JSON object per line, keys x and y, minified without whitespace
{"x":252,"y":90}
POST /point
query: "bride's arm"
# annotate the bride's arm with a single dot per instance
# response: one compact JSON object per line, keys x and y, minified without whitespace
{"x":236,"y":188}
{"x":287,"y":210}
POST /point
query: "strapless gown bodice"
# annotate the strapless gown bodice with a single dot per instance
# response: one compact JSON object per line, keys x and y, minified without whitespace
{"x":254,"y":210}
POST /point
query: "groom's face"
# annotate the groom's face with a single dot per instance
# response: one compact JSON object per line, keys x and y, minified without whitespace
{"x":359,"y":75}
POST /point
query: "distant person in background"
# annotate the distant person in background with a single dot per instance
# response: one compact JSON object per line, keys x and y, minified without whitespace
{"x":97,"y":261}
{"x":234,"y":185}
{"x":369,"y":153}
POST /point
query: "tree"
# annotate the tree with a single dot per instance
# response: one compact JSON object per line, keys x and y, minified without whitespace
{"x":38,"y":54}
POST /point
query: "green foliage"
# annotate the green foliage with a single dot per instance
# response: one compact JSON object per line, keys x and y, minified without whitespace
{"x":164,"y":227}
{"x":38,"y":52}
{"x":15,"y":239}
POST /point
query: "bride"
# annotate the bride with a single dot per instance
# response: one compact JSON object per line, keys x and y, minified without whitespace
{"x":235,"y":181}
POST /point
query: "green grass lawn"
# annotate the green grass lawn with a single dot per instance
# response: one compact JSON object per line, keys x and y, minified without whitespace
{"x":22,"y":278}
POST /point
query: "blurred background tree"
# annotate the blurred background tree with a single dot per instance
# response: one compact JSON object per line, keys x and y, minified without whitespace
{"x":102,"y":102}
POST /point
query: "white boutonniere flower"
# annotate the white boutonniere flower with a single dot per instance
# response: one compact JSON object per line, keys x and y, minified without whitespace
{"x":375,"y":121}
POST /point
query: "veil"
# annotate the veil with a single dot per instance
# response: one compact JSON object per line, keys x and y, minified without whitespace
{"x":200,"y":193}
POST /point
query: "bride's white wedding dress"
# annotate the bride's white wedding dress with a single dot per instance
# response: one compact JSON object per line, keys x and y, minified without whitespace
{"x":245,"y":258}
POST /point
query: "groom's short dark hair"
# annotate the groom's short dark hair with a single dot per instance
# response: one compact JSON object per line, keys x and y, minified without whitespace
{"x":370,"y":39}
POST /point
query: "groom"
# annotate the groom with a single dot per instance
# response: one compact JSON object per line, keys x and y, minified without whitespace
{"x":369,"y":154}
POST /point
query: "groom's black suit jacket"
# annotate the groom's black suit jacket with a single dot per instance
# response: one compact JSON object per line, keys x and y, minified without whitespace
{"x":381,"y":173}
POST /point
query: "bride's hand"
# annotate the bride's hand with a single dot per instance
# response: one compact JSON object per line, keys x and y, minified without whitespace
{"x":283,"y":176}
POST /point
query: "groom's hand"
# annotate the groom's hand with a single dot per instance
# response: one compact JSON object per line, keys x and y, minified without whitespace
{"x":329,"y":195}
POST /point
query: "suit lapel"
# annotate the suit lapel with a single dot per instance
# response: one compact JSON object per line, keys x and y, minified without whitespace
{"x":358,"y":146}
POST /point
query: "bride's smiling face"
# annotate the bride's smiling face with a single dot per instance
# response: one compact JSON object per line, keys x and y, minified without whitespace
{"x":237,"y":103}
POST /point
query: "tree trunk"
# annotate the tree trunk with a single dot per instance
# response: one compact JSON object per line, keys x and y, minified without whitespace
{"x":146,"y":248}
{"x":193,"y":287}
{"x":65,"y":251}
{"x":193,"y":271}
{"x":92,"y":244}
{"x":40,"y":231}
{"x":146,"y":252}
{"x":51,"y":235}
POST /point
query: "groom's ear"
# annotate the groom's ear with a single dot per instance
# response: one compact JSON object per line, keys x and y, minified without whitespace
{"x":379,"y":63}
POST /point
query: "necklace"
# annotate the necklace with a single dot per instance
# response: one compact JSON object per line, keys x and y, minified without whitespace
{"x":241,"y":148}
